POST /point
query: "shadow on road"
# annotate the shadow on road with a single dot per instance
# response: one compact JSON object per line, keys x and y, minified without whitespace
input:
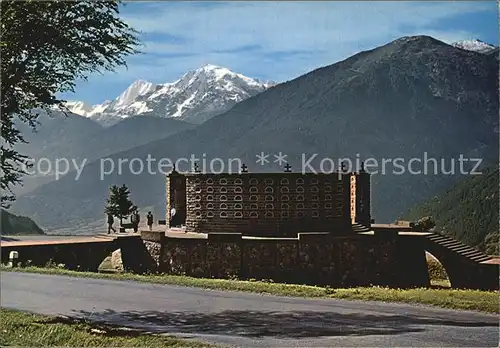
{"x":300,"y":324}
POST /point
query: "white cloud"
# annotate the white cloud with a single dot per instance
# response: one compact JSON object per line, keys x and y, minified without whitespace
{"x":183,"y":36}
{"x":292,"y":25}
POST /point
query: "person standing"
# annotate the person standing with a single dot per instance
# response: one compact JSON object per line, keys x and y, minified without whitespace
{"x":111,"y":221}
{"x":172,"y":217}
{"x":149,"y":218}
{"x":132,"y":218}
{"x":137,"y":219}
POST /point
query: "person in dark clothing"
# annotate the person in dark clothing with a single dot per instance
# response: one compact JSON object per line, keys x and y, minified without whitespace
{"x":136,"y":218}
{"x":111,"y":221}
{"x":149,"y":218}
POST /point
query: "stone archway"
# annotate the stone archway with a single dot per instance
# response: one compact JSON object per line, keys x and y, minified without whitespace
{"x":454,"y":267}
{"x":437,"y":273}
{"x":463,"y":271}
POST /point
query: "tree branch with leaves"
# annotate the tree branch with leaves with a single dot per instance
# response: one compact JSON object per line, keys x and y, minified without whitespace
{"x":45,"y":47}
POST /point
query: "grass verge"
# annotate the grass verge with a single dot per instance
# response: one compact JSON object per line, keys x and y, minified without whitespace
{"x":33,"y":330}
{"x":485,"y":301}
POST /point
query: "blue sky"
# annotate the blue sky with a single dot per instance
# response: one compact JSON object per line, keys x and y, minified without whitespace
{"x":277,"y":40}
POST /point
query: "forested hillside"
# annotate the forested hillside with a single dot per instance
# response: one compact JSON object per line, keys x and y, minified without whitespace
{"x":12,"y":224}
{"x":468,"y":211}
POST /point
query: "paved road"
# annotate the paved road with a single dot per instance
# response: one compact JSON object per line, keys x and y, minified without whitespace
{"x":248,"y":320}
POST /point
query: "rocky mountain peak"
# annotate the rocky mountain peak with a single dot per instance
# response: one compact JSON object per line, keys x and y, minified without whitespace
{"x":197,"y":96}
{"x":474,"y":45}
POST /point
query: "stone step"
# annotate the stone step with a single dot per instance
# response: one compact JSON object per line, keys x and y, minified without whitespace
{"x":450,"y":243}
{"x":359,"y":227}
{"x":438,"y":239}
{"x":462,"y":249}
{"x":458,"y":248}
{"x":439,"y":236}
{"x":105,"y":236}
{"x":470,"y":253}
{"x":473,"y":253}
{"x":481,"y":258}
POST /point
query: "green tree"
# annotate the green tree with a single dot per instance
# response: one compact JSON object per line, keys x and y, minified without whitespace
{"x":45,"y":47}
{"x":492,"y":243}
{"x":118,"y":203}
{"x":466,"y":211}
{"x":425,"y":224}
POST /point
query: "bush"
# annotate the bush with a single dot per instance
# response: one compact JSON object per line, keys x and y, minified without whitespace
{"x":425,"y":224}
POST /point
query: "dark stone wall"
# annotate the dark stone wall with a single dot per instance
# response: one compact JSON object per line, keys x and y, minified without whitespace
{"x":154,"y":250}
{"x":137,"y":255}
{"x":411,"y":263}
{"x":311,"y":258}
{"x":183,"y":257}
{"x":266,"y":204}
{"x":74,"y":256}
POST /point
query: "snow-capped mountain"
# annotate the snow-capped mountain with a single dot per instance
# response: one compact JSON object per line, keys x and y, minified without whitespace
{"x":474,"y":45}
{"x":195,"y":97}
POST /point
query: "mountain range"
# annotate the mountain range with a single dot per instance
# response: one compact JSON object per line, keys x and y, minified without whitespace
{"x":144,"y":112}
{"x":410,"y":97}
{"x":76,"y":138}
{"x":197,"y":96}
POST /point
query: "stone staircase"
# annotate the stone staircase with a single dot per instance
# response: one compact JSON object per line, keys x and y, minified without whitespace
{"x":360,"y":228}
{"x":105,"y":236}
{"x":458,"y":248}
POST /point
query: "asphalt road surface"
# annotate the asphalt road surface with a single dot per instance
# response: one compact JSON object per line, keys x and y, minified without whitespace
{"x":247,"y":320}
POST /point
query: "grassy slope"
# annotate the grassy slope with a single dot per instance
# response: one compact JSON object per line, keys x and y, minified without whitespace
{"x":446,"y":298}
{"x":467,"y":211}
{"x":31,"y":330}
